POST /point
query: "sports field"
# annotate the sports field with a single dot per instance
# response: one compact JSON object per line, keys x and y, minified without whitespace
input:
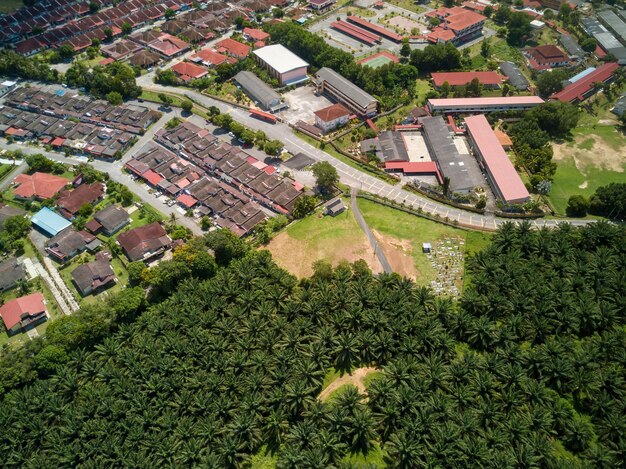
{"x":378,"y":60}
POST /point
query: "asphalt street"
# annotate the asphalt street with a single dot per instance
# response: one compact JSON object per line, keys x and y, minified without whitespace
{"x":351,"y":176}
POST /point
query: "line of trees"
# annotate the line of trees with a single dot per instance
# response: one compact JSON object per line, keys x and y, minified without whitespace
{"x":99,"y":81}
{"x":526,"y":370}
{"x":607,"y":201}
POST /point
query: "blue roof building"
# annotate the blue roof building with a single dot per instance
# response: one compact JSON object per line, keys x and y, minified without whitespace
{"x":581,"y":75}
{"x":49,"y":222}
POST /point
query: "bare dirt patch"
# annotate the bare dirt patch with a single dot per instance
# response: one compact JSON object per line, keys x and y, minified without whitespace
{"x":399,"y":253}
{"x":355,"y":379}
{"x":297,"y":256}
{"x":405,"y":24}
{"x":601,"y":155}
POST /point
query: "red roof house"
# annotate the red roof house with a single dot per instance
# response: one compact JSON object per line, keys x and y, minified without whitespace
{"x":22,"y":312}
{"x":584,"y":88}
{"x":70,"y":202}
{"x":38,"y":186}
{"x":487,"y":79}
{"x":144,"y":242}
{"x":209,"y":57}
{"x":253,"y":35}
{"x":188,"y":71}
{"x":186,"y":201}
{"x":233,"y":48}
{"x":546,"y":57}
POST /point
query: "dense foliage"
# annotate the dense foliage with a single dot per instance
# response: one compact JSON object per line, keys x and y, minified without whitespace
{"x":100,"y":81}
{"x":528,"y":370}
{"x":14,"y":65}
{"x":609,"y":201}
{"x":390,"y":83}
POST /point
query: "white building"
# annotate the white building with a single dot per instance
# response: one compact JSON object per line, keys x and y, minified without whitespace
{"x":282,"y":64}
{"x":331,"y":117}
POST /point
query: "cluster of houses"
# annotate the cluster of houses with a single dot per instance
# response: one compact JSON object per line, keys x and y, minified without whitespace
{"x":57,"y":22}
{"x":67,"y":121}
{"x":214,"y":178}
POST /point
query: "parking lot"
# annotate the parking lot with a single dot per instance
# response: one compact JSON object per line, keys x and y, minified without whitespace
{"x":302,"y":104}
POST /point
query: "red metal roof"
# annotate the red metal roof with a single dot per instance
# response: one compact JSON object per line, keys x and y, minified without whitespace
{"x":464,"y":78}
{"x":13,"y":310}
{"x":498,"y":164}
{"x":356,"y":32}
{"x":152,"y":177}
{"x":186,"y":200}
{"x":375,"y":28}
{"x":494,"y":101}
{"x":415,"y":167}
{"x":263,"y":115}
{"x":332,"y":112}
{"x":577,"y":90}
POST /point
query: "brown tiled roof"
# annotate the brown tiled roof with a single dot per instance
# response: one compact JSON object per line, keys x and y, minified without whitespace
{"x":143,"y":240}
{"x":72,"y":201}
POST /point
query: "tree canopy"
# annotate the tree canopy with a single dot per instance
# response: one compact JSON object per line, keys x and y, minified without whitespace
{"x":526,"y":370}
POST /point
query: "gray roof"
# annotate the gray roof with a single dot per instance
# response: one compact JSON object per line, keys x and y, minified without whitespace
{"x":345,"y":86}
{"x":614,"y":23}
{"x":571,"y":46}
{"x":6,"y":211}
{"x":92,"y":275}
{"x":516,"y":77}
{"x":258,"y":90}
{"x":443,"y":150}
{"x":392,"y":146}
{"x":605,"y":38}
{"x":111,"y":217}
{"x":620,"y":106}
{"x":10,"y":272}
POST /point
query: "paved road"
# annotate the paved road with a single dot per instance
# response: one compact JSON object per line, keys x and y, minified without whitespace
{"x":116,"y":173}
{"x":351,"y":176}
{"x":378,"y":252}
{"x":8,"y":179}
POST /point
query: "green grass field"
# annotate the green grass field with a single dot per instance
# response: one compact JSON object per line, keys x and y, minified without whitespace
{"x":5,"y":169}
{"x":583,"y":169}
{"x":416,"y":230}
{"x":9,"y":6}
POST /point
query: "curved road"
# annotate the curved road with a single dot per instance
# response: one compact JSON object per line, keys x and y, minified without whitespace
{"x":348,"y":175}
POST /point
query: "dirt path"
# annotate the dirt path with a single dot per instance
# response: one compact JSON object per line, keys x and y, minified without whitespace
{"x":355,"y":379}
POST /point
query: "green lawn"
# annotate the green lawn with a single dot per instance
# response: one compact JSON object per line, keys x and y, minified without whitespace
{"x":373,"y":459}
{"x":9,"y":6}
{"x":36,"y":285}
{"x":5,"y":169}
{"x":416,"y":230}
{"x":407,"y":5}
{"x":579,"y":172}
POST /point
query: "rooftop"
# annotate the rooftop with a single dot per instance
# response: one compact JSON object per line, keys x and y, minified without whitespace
{"x":38,"y":185}
{"x":576,"y":91}
{"x":72,"y":201}
{"x":188,"y":71}
{"x":463,"y":78}
{"x":49,"y":221}
{"x":233,"y":47}
{"x":280,"y":58}
{"x":15,"y":311}
{"x":345,"y":86}
{"x":143,"y":240}
{"x":494,"y":101}
{"x":92,"y":275}
{"x":330,"y":113}
{"x":499,"y":165}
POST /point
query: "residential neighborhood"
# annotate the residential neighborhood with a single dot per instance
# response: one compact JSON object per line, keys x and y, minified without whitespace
{"x":379,"y":213}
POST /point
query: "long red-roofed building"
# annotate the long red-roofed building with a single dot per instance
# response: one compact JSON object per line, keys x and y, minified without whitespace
{"x":374,"y":28}
{"x":584,"y":88}
{"x":501,"y":175}
{"x":23,"y":312}
{"x":488,"y":79}
{"x":38,"y":186}
{"x":188,"y":71}
{"x":233,"y":48}
{"x":209,"y":57}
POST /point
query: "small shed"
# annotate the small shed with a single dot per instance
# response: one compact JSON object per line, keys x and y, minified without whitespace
{"x":334,"y":207}
{"x":426,"y":248}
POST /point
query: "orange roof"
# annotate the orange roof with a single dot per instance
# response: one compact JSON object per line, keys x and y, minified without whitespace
{"x":186,"y":200}
{"x":188,"y":69}
{"x":14,"y":311}
{"x":331,"y":113}
{"x":209,"y":56}
{"x":233,"y":47}
{"x":39,"y":185}
{"x":503,"y":138}
{"x":255,"y":34}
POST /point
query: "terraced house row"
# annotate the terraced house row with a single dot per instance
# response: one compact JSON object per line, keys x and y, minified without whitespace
{"x":128,"y":118}
{"x":232,"y":165}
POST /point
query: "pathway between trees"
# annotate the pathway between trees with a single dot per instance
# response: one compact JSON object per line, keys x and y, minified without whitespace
{"x":355,"y":379}
{"x":378,"y":252}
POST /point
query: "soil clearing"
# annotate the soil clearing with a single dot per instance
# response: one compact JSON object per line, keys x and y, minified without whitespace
{"x":355,"y":379}
{"x":399,"y":253}
{"x":601,"y":155}
{"x":298,"y":257}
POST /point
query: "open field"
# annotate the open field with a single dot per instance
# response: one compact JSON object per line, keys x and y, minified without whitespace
{"x":401,"y":236}
{"x":407,"y":5}
{"x":355,"y":378}
{"x":319,"y":237}
{"x":596,"y":157}
{"x":9,"y":6}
